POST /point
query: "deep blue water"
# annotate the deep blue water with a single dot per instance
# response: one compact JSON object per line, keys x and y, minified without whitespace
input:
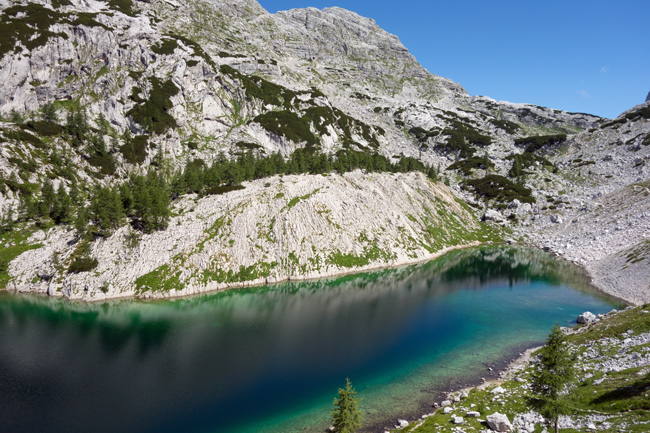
{"x":270,"y":359}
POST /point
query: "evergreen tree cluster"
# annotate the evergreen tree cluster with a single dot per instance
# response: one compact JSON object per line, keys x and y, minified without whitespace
{"x":201,"y":179}
{"x":143,"y":200}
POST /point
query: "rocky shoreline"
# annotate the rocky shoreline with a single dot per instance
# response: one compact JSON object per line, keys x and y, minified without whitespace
{"x":607,"y":347}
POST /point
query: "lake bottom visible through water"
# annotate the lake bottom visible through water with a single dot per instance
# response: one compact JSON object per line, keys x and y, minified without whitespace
{"x":271,"y":359}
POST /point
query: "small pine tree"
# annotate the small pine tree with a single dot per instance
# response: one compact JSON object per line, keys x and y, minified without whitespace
{"x":554,"y":372}
{"x":48,"y":198}
{"x":15,"y":116}
{"x":62,"y":208}
{"x":49,"y":113}
{"x":346,"y":416}
{"x":81,"y":222}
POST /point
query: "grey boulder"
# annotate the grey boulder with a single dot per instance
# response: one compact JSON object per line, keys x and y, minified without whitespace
{"x":499,"y":422}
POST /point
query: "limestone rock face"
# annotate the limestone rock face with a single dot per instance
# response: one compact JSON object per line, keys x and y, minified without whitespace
{"x":647,"y":98}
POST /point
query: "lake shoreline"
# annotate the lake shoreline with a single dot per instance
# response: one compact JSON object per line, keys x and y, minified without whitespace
{"x":494,"y":373}
{"x":588,"y":271}
{"x":262,"y":281}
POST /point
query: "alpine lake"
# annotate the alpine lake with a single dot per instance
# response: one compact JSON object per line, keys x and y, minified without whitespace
{"x":271,"y":358}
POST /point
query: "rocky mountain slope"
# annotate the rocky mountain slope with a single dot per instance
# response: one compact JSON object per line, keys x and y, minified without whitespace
{"x":95,"y":92}
{"x":291,"y":227}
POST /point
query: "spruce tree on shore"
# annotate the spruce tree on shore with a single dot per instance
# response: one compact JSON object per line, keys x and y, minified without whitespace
{"x":346,"y":416}
{"x":553,"y":374}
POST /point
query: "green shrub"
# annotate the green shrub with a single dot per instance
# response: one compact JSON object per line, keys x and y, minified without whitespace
{"x":541,"y":141}
{"x":25,"y":165}
{"x":225,"y":54}
{"x":422,"y":134}
{"x":198,"y":50}
{"x":25,"y":137}
{"x":167,"y":47}
{"x":500,"y":188}
{"x":87,"y":19}
{"x":524,"y":161}
{"x":104,"y":161}
{"x":259,"y":88}
{"x":217,"y":190}
{"x":135,"y":151}
{"x":45,"y":128}
{"x":641,"y":113}
{"x":124,"y":6}
{"x":249,"y":146}
{"x":466,"y":165}
{"x":82,"y":264}
{"x":506,"y":125}
{"x":287,"y":124}
{"x":30,"y":30}
{"x":153,"y":114}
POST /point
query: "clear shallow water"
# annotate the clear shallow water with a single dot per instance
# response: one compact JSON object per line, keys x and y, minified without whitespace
{"x":270,"y":359}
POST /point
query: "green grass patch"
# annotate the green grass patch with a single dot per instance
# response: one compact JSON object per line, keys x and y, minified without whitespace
{"x":245,"y":273}
{"x":18,"y":238}
{"x":161,"y":279}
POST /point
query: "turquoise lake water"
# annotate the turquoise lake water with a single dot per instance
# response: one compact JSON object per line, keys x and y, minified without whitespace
{"x":270,"y":359}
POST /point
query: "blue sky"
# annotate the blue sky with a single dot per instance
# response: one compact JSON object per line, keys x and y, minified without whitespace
{"x":575,"y":55}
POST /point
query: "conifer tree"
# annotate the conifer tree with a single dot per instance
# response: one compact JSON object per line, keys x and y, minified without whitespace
{"x":127,"y":197}
{"x":15,"y":116}
{"x":48,"y":198}
{"x":62,"y":208}
{"x":141,"y":203}
{"x":81,"y":222}
{"x":49,"y":114}
{"x":75,"y":194}
{"x":554,"y":372}
{"x":346,"y":416}
{"x":28,"y":209}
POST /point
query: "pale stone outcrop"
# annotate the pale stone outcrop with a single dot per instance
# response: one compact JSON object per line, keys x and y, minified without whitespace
{"x":499,"y":422}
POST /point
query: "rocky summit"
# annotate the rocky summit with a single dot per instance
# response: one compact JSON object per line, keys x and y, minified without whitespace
{"x":163,"y":148}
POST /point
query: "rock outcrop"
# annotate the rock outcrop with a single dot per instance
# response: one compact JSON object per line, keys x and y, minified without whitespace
{"x":499,"y":422}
